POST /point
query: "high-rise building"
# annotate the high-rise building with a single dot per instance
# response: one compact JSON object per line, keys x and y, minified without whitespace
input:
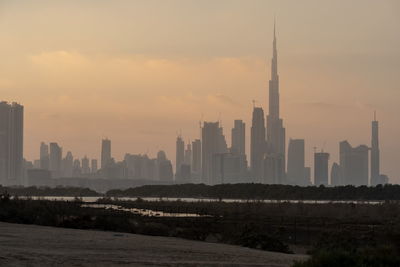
{"x":275,"y":131}
{"x":11,"y":143}
{"x":93,"y":165}
{"x":354,"y":164}
{"x":321,"y":172}
{"x":238,"y":146}
{"x":211,"y":144}
{"x":375,"y":164}
{"x":336,"y":177}
{"x":196,"y":156}
{"x":296,"y":163}
{"x":105,"y":153}
{"x":85,"y":165}
{"x":188,"y":154}
{"x":180,"y":155}
{"x":55,"y":160}
{"x":44,"y":156}
{"x":67,"y":165}
{"x":257,"y":144}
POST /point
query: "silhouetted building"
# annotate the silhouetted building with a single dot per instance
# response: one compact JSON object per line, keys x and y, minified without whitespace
{"x":76,"y":168}
{"x":272,"y":168}
{"x":39,"y":177}
{"x":105,"y":153}
{"x":55,"y":160}
{"x":94,"y":167}
{"x":180,"y":156}
{"x":375,"y":164}
{"x":188,"y":154}
{"x":67,"y":165}
{"x":238,"y":146}
{"x":165,"y":171}
{"x":44,"y":156}
{"x":275,"y":130}
{"x":36,"y":164}
{"x":85,"y":166}
{"x":210,"y":146}
{"x":321,"y":172}
{"x":257,"y":144}
{"x":196,"y":160}
{"x":354,"y":164}
{"x":336,"y":176}
{"x":307,"y":175}
{"x":11,"y":143}
{"x":296,"y":163}
{"x":229,"y":168}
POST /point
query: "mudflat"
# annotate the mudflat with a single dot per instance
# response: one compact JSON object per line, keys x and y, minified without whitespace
{"x":31,"y":245}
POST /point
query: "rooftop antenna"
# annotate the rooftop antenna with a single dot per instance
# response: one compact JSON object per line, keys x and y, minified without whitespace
{"x":254,"y":103}
{"x":374,"y":115}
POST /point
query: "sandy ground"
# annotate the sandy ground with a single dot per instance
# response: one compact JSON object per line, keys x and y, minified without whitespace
{"x":29,"y":245}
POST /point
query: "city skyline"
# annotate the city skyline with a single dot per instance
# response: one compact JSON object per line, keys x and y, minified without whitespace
{"x":354,"y":128}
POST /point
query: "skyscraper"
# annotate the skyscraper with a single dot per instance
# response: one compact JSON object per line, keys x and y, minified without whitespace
{"x":180,"y":155}
{"x":296,"y":163}
{"x":336,"y":177}
{"x":238,"y":146}
{"x":375,"y":164}
{"x":196,"y":160}
{"x":105,"y":153}
{"x":257,"y":144}
{"x":44,"y":156}
{"x":275,"y":130}
{"x":55,"y":160}
{"x":210,"y":145}
{"x":321,"y":172}
{"x":85,"y":165}
{"x":11,"y":143}
{"x":354,"y":164}
{"x":93,"y":165}
{"x":67,"y":165}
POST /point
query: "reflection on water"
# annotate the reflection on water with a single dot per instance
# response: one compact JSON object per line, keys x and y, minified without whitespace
{"x":95,"y":199}
{"x":143,"y":212}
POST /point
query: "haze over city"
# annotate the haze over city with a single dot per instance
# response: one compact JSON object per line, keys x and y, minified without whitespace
{"x":141,"y":72}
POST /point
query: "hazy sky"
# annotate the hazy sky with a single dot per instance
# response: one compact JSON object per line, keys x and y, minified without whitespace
{"x":138,"y":72}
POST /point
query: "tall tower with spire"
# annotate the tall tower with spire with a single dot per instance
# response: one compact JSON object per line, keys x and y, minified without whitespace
{"x":275,"y":131}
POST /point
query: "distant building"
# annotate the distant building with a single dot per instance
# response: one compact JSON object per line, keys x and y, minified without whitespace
{"x":296,"y":163}
{"x":336,"y":176}
{"x":36,"y":164}
{"x":11,"y":143}
{"x":105,"y":152}
{"x":276,"y":133}
{"x":196,"y":160}
{"x":165,"y":171}
{"x":180,"y":156}
{"x":210,"y":145}
{"x":272,"y":168}
{"x":94,"y":167}
{"x":321,"y":172}
{"x":375,"y":156}
{"x":44,"y":156}
{"x":67,"y":165}
{"x":85,"y":166}
{"x":55,"y":160}
{"x":238,"y":145}
{"x":257,"y":144}
{"x":39,"y":177}
{"x":354,"y":164}
{"x":76,"y":169}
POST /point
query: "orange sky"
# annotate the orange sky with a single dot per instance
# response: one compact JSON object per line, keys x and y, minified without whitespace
{"x":138,"y":72}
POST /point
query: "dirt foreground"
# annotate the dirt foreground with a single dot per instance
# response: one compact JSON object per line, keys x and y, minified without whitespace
{"x":30,"y":245}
